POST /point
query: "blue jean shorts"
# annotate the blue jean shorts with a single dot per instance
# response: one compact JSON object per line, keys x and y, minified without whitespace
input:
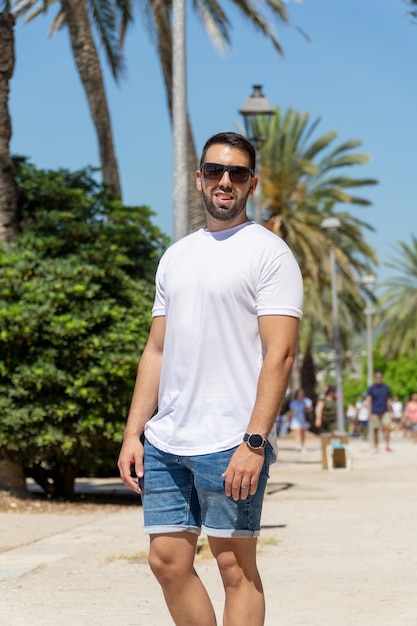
{"x":186,"y":493}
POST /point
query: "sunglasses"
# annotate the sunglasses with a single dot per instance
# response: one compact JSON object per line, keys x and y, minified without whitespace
{"x":214,"y":172}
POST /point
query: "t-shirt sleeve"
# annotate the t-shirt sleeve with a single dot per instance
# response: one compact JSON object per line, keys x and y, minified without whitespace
{"x":158,"y":308}
{"x":279,"y":288}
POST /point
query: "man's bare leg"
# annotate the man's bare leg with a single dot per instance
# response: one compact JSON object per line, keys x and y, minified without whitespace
{"x":376,"y":438}
{"x":171,"y":559}
{"x":236,"y":559}
{"x":387,"y":435}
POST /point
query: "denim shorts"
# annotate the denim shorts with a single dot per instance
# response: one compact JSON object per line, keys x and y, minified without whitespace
{"x":186,"y":493}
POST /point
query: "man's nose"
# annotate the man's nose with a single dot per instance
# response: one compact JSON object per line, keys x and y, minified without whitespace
{"x":225,"y":180}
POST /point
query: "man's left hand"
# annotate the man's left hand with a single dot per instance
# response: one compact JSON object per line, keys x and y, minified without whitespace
{"x":242,"y":473}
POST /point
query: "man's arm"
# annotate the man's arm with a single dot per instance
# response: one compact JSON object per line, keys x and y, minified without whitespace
{"x":389,"y":401}
{"x":144,"y":402}
{"x":290,"y":413}
{"x":279,"y":336}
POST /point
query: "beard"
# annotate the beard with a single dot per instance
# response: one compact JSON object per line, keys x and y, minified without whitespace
{"x":224,"y":214}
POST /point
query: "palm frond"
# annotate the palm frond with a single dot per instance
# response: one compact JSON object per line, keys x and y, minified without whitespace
{"x":216,"y":23}
{"x":24,"y":8}
{"x":398,"y":303}
{"x":106,"y":20}
{"x":125,"y":11}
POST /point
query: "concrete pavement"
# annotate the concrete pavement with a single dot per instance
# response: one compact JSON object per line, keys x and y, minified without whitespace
{"x":336,"y":548}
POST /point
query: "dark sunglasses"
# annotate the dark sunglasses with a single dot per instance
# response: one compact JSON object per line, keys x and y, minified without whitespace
{"x":237,"y":173}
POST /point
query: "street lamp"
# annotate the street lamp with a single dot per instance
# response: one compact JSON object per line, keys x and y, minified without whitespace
{"x":368,"y":280}
{"x":334,"y":224}
{"x":257,"y":113}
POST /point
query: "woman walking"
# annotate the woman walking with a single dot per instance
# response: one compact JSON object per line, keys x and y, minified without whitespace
{"x":297,"y":416}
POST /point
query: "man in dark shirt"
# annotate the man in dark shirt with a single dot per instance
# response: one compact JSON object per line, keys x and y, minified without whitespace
{"x":378,"y":401}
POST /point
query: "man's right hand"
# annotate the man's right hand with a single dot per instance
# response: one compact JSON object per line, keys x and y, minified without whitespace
{"x":131,"y":454}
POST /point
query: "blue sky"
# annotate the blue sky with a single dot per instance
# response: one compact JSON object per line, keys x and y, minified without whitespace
{"x":357,"y":75}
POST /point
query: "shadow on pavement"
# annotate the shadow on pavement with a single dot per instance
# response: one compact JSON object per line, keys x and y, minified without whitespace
{"x":103,"y":491}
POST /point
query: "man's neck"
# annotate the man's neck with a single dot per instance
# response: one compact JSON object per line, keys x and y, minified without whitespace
{"x":216,"y":225}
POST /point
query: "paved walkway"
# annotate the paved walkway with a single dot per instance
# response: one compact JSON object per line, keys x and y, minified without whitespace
{"x":336,"y":549}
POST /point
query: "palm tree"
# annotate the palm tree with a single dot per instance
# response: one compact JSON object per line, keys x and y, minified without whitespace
{"x":12,"y":477}
{"x":399,"y":303}
{"x":300,"y":188}
{"x":75,"y":15}
{"x":8,"y":196}
{"x":300,"y":184}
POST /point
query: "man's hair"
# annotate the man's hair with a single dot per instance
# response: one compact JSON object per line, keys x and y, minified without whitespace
{"x":231,"y":139}
{"x":379,"y":372}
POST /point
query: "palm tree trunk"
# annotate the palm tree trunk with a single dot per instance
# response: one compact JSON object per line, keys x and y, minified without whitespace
{"x":196,"y":216}
{"x":88,"y":65}
{"x":8,"y":194}
{"x":12,"y":477}
{"x":308,"y":374}
{"x":179,"y":119}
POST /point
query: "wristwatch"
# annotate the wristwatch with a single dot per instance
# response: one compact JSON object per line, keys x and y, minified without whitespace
{"x":254,"y":440}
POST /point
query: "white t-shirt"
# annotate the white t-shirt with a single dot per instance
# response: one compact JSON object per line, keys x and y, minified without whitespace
{"x":211,"y":287}
{"x":397,"y":409}
{"x":363,"y":413}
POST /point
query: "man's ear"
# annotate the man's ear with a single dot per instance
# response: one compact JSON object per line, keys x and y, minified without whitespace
{"x":198,"y":182}
{"x":253,"y":185}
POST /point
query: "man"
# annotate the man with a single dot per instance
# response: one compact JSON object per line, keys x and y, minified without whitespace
{"x":379,"y":405}
{"x":217,"y":362}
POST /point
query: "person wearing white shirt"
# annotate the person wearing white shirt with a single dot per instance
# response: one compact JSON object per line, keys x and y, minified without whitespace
{"x":216,"y":366}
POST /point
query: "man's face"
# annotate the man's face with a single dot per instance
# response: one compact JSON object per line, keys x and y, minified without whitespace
{"x":224,"y":200}
{"x":378,"y":378}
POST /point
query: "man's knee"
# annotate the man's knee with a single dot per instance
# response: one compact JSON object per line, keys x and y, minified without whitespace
{"x":236,"y":562}
{"x":160,"y":565}
{"x":171,"y":560}
{"x":231,"y":572}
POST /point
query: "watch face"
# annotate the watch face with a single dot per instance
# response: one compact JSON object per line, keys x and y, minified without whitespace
{"x":255,"y":441}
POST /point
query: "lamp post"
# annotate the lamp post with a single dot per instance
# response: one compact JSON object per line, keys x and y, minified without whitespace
{"x":368,"y":281}
{"x":257,"y":113}
{"x":334,"y":224}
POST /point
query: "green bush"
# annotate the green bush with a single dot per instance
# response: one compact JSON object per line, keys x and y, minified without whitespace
{"x":76,"y":293}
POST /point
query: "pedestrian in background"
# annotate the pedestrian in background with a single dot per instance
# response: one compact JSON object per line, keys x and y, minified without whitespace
{"x":378,"y":400}
{"x":410,"y":416}
{"x":300,"y":406}
{"x":363,"y":416}
{"x":397,"y":412}
{"x":352,"y":420}
{"x":326,"y":411}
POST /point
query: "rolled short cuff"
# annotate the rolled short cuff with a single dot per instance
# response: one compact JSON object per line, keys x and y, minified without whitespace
{"x":229,"y":533}
{"x":163,"y":530}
